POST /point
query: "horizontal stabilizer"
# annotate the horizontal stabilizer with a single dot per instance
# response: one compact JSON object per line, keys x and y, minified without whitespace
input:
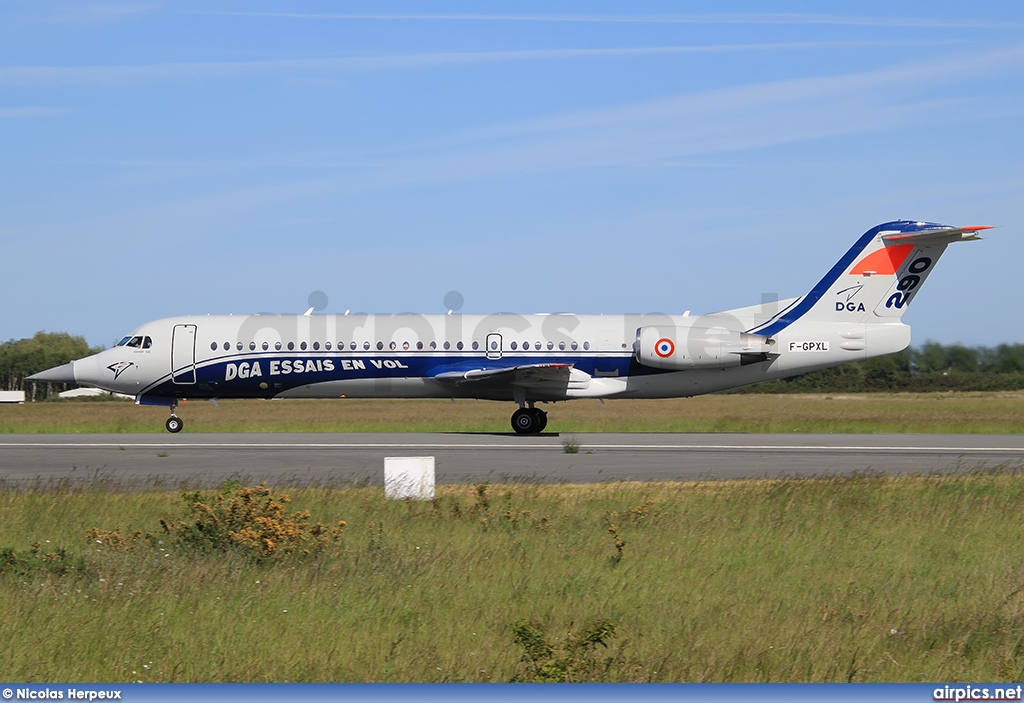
{"x":937,"y":235}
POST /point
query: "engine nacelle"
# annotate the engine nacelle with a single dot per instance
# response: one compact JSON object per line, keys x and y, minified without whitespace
{"x":681,"y":348}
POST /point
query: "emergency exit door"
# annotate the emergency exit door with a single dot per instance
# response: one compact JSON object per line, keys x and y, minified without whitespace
{"x":183,"y":354}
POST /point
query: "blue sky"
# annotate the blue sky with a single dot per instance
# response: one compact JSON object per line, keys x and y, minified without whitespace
{"x":167,"y":158}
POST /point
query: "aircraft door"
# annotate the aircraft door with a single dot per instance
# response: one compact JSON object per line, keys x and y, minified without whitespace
{"x":183,"y":354}
{"x":493,"y":346}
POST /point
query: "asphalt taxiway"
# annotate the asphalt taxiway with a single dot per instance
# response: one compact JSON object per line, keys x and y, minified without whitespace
{"x":201,"y":460}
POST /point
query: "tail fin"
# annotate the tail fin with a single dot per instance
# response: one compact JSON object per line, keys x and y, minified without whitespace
{"x":876,"y":279}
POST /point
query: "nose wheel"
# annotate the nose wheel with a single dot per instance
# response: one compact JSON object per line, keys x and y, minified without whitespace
{"x":529,"y":420}
{"x":174,"y":424}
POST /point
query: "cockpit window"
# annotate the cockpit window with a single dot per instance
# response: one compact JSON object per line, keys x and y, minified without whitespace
{"x":136,"y":342}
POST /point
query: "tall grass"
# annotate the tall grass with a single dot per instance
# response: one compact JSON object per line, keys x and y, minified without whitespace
{"x":996,"y":412}
{"x":840,"y":579}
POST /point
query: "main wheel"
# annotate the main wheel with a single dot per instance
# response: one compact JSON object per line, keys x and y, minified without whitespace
{"x":542,"y":419}
{"x":525,"y":421}
{"x":174,"y":424}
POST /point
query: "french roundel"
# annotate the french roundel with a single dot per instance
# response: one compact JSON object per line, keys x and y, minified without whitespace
{"x":664,"y":348}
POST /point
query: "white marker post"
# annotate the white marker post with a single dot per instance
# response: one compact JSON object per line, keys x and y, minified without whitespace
{"x":409,"y":477}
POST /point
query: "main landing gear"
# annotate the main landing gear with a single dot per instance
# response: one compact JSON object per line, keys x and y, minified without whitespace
{"x":529,"y":420}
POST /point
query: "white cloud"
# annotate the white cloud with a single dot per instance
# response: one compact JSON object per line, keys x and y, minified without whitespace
{"x":733,"y":18}
{"x":31,"y":111}
{"x":212,"y":70}
{"x":717,"y":121}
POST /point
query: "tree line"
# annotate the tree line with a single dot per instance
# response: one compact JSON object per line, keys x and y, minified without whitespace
{"x":932,"y":367}
{"x":44,"y":350}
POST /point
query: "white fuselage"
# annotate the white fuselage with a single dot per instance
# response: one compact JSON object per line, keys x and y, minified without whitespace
{"x":414,"y":356}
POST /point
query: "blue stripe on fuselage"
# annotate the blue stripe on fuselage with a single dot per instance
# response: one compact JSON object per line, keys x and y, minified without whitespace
{"x":241,"y":376}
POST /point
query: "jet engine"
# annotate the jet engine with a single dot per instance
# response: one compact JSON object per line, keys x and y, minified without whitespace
{"x":696,"y":347}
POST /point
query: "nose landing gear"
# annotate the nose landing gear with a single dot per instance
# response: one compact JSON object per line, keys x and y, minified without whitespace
{"x":174,"y":423}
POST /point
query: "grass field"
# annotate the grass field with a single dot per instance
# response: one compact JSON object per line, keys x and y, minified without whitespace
{"x":839,"y":579}
{"x":994,"y":412}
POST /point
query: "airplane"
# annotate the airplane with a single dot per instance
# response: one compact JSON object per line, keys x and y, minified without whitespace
{"x":853,"y":313}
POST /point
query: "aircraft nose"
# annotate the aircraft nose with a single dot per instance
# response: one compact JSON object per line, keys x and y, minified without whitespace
{"x":58,"y":374}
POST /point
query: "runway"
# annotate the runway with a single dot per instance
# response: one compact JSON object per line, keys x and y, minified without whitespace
{"x":202,"y":460}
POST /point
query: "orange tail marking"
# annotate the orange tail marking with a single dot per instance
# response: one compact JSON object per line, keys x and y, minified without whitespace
{"x":885,"y":261}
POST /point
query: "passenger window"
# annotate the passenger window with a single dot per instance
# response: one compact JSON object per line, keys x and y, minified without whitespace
{"x":238,"y":346}
{"x":447,"y":345}
{"x":352,"y":346}
{"x":327,"y":346}
{"x":266,"y":346}
{"x":433,"y":345}
{"x":514,"y":345}
{"x":277,"y":346}
{"x":252,"y":346}
{"x":316,"y":346}
{"x":419,"y":345}
{"x":459,"y":346}
{"x":561,"y":345}
{"x":227,"y":346}
{"x":380,"y":346}
{"x":291,"y":346}
{"x":476,"y":345}
{"x":551,"y":345}
{"x":574,"y":346}
{"x":366,"y":345}
{"x":302,"y":346}
{"x":213,"y":346}
{"x":392,"y":346}
{"x":586,"y":345}
{"x":526,"y":346}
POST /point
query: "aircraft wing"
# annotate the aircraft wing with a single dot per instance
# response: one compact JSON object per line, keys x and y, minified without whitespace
{"x":535,"y":376}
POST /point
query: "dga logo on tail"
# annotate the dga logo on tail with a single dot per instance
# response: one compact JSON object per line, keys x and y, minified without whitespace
{"x":664,"y":348}
{"x":849,"y":304}
{"x":120,"y":367}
